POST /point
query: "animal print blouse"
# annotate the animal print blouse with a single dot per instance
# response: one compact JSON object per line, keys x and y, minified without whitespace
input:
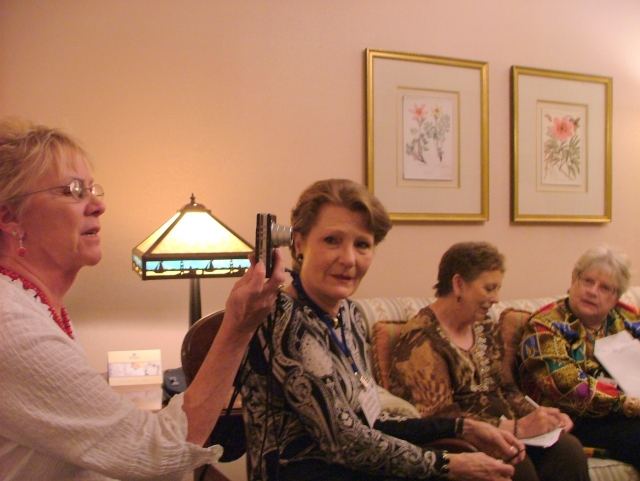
{"x":439,"y":378}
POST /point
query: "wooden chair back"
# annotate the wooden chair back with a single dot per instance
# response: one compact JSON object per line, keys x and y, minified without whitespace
{"x":197,"y":341}
{"x":229,"y":430}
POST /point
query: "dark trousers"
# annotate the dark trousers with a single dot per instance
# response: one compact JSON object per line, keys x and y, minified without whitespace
{"x":564,"y":461}
{"x":619,"y":435}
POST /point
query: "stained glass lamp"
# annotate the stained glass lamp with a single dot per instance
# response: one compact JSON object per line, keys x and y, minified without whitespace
{"x":193,"y":244}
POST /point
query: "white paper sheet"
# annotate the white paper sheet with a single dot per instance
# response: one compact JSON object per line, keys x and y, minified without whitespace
{"x":544,"y":440}
{"x":620,"y":356}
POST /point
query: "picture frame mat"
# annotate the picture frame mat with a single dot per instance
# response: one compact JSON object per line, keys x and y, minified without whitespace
{"x":408,"y":199}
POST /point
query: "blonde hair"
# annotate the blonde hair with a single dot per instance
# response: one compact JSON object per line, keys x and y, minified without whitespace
{"x":27,"y":152}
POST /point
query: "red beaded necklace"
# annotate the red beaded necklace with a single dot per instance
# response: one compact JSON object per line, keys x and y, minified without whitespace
{"x":64,"y":323}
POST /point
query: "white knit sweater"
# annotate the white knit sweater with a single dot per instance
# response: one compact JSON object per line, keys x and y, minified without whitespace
{"x":59,"y":419}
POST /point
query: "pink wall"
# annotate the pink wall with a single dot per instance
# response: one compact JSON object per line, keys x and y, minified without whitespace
{"x":245,"y":103}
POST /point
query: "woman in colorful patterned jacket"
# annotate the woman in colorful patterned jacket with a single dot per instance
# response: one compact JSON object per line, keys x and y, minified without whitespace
{"x":310,"y":403}
{"x":448,"y":361}
{"x":558,"y":363}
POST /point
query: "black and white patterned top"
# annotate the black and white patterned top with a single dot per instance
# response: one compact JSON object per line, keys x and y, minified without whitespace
{"x":311,"y":401}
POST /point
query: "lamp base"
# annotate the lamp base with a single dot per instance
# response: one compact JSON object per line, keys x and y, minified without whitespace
{"x":195,"y":306}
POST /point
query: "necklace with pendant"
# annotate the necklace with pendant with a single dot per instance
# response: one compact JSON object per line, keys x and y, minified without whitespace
{"x":331,"y":321}
{"x":63,"y":322}
{"x":595,"y":334}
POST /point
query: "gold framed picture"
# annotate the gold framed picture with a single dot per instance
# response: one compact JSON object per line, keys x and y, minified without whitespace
{"x":427,"y":136}
{"x":560,"y":146}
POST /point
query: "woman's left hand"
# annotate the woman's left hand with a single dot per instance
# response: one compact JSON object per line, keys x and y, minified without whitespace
{"x":497,"y":443}
{"x":565,"y":422}
{"x":252,"y":298}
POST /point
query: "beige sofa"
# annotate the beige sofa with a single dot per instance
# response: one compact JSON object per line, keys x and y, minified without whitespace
{"x":385,"y":316}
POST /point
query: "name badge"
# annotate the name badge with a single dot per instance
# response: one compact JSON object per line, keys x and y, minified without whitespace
{"x":370,"y":401}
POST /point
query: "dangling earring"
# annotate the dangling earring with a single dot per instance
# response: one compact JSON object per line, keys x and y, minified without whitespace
{"x":459,"y":299}
{"x":299,"y":258}
{"x":21,"y":249}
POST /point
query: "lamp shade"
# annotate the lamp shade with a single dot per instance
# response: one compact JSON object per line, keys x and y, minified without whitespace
{"x":192,"y":244}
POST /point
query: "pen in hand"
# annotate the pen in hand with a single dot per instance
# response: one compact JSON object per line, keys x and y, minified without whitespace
{"x":536,"y":405}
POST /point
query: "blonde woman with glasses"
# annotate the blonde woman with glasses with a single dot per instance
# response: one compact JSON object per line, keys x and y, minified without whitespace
{"x":557,"y":351}
{"x":59,"y":420}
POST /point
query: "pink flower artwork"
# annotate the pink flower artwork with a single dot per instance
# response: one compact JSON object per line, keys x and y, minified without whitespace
{"x":562,"y":147}
{"x":419,"y":113}
{"x":562,"y":129}
{"x":432,"y":130}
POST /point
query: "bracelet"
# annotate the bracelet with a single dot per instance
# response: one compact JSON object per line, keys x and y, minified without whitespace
{"x":515,"y":427}
{"x":628,"y":407}
{"x":459,"y":429}
{"x":444,"y":465}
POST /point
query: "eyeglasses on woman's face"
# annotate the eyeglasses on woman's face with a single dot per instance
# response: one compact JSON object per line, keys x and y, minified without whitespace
{"x":604,"y":289}
{"x":76,"y":189}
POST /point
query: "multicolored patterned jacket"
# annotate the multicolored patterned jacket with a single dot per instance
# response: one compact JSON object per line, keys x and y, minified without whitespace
{"x":558,"y":365}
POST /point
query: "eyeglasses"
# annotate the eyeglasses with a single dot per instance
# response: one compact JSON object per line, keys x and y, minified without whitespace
{"x":604,"y":290}
{"x":75,"y":189}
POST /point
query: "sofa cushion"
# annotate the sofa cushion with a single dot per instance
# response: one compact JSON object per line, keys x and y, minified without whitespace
{"x":511,"y":324}
{"x":384,"y":337}
{"x":611,"y":470}
{"x":394,"y":405}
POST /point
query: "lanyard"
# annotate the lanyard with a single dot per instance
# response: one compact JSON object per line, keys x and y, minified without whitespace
{"x":328,"y":320}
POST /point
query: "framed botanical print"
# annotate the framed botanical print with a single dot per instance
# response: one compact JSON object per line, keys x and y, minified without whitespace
{"x":561,"y":146}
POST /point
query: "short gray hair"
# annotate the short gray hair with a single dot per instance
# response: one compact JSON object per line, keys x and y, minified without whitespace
{"x":619,"y":263}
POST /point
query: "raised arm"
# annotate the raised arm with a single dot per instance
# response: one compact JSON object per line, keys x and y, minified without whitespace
{"x":250,"y":301}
